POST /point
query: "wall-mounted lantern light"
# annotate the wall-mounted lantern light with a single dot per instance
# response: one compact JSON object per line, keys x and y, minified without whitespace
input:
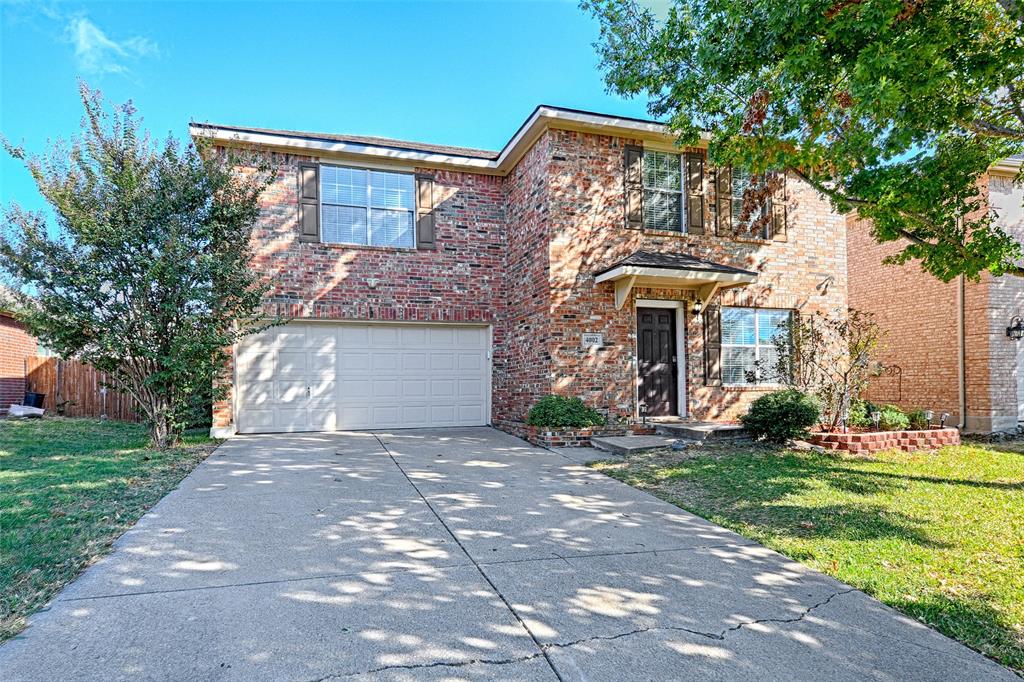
{"x":1016,"y":329}
{"x":697,"y":307}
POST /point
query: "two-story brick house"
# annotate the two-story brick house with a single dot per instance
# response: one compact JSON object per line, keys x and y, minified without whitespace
{"x":441,"y":286}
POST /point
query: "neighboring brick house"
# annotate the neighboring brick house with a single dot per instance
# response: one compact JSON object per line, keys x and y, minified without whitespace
{"x":17,"y":345}
{"x":440,"y":286}
{"x":947,"y":348}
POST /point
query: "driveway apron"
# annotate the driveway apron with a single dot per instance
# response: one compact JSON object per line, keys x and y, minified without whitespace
{"x":453,"y":554}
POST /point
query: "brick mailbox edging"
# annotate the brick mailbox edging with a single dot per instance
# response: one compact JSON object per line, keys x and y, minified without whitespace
{"x":551,"y":437}
{"x":908,"y":441}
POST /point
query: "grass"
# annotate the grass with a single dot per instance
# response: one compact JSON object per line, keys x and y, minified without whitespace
{"x":938,"y":535}
{"x":68,"y":489}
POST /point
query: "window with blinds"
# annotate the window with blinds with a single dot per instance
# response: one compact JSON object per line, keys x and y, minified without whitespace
{"x":663,"y":191}
{"x":741,"y":180}
{"x":368,"y":207}
{"x":749,"y":353}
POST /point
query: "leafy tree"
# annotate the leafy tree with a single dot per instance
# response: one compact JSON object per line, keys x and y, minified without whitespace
{"x":828,"y":356}
{"x":146,"y":275}
{"x":894,"y":108}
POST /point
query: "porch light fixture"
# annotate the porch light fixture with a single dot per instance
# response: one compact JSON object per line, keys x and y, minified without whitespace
{"x":1016,"y":329}
{"x":697,"y":307}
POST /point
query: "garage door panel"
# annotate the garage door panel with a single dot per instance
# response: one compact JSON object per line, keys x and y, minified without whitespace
{"x":290,"y":392}
{"x":383,"y":335}
{"x":385,"y":388}
{"x":442,"y":337}
{"x":386,"y":362}
{"x":350,"y":336}
{"x":442,"y":361}
{"x":257,"y":394}
{"x":319,"y":376}
{"x":355,"y":362}
{"x":471,"y":388}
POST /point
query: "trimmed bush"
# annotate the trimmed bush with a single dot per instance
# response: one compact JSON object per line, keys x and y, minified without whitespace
{"x":781,"y":416}
{"x":893,"y":419}
{"x":918,"y":420}
{"x":563,"y":412}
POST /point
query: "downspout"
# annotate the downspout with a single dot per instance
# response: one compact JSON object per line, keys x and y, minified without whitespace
{"x":961,"y":352}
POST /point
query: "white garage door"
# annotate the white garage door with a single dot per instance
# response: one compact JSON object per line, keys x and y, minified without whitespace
{"x":322,"y":377}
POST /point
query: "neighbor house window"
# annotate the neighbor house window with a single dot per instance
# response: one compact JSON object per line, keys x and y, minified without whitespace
{"x":749,"y":354}
{"x":741,"y":180}
{"x":359,"y":206}
{"x":663,"y":191}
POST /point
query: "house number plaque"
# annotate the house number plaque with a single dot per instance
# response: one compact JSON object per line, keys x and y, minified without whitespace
{"x":591,"y":339}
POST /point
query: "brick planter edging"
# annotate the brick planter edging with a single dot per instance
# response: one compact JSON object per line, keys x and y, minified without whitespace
{"x":550,"y":437}
{"x":908,"y":441}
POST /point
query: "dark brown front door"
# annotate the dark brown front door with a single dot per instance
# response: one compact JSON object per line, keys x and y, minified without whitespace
{"x":656,"y":358}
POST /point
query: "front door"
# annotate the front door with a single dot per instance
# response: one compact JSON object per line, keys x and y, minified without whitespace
{"x":656,"y":361}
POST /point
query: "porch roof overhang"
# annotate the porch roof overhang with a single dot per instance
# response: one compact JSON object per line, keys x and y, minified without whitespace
{"x":672,"y":271}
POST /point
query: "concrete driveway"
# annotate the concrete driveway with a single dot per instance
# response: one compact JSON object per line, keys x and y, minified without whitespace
{"x":453,"y":554}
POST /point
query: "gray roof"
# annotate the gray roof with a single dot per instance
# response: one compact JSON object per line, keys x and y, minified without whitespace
{"x":674,"y":261}
{"x":387,"y":142}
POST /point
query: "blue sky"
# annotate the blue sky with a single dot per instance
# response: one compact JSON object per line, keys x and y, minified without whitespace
{"x":462,"y":73}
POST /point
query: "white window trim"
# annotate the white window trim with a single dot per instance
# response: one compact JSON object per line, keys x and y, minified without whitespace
{"x":367,"y":207}
{"x":756,"y":346}
{"x":680,"y":308}
{"x":682,"y":190}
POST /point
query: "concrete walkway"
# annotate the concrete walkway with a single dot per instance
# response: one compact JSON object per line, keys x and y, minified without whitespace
{"x":453,"y":554}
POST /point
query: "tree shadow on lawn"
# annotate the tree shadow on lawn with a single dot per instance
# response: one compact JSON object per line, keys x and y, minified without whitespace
{"x":763,"y":488}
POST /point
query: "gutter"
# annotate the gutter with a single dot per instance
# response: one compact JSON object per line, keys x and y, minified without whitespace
{"x":961,"y":352}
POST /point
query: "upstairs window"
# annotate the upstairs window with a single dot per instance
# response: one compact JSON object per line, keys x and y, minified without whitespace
{"x":663,"y":191}
{"x":756,"y":223}
{"x":749,"y":355}
{"x":368,"y":207}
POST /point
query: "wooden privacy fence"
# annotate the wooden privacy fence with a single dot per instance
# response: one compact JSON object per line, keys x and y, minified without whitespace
{"x":76,"y":390}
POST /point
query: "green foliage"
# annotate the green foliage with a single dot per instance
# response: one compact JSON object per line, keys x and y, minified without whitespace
{"x":892,"y":108}
{"x":917,"y":419}
{"x":563,"y":412}
{"x":893,"y":419}
{"x":146,"y":273}
{"x":860,"y":413}
{"x":781,"y":416}
{"x":68,"y":488}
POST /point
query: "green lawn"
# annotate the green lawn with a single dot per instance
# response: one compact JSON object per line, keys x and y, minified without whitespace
{"x":938,"y":535}
{"x":68,"y":489}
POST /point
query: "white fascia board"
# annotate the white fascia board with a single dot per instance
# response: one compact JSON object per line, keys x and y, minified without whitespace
{"x":541,"y":119}
{"x":337,"y":147}
{"x":677,"y":274}
{"x":1008,"y":166}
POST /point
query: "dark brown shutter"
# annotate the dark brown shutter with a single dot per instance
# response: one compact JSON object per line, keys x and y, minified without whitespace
{"x":634,"y":186}
{"x":777,"y":206}
{"x":695,"y":193}
{"x":713,"y":346}
{"x":309,"y":202}
{"x":723,"y":201}
{"x":425,"y":232}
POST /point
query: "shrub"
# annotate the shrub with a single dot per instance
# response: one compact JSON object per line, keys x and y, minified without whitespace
{"x":893,"y":419}
{"x":782,"y":415}
{"x":860,"y":413}
{"x":917,"y":419}
{"x":563,"y":412}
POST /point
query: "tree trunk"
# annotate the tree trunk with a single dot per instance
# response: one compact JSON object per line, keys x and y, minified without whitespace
{"x":163,"y":432}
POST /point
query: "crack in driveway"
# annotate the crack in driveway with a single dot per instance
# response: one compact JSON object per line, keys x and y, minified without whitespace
{"x":717,"y":636}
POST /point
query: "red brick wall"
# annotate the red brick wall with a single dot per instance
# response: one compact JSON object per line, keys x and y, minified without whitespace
{"x":519,"y":252}
{"x":919,"y":314}
{"x":16,"y":344}
{"x":806,"y":272}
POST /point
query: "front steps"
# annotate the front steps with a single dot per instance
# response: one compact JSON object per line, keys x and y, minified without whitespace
{"x":669,"y":432}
